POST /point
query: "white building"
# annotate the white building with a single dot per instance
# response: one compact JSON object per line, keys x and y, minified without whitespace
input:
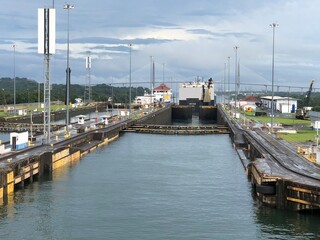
{"x":314,"y":117}
{"x":281,"y":104}
{"x":162,"y":93}
{"x":144,"y":100}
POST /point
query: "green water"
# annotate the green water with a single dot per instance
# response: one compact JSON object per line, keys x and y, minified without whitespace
{"x":151,"y":187}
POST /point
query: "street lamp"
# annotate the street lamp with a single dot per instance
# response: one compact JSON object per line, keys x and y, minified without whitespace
{"x":39,"y":96}
{"x":229,"y":78}
{"x":224,"y":82}
{"x":163,"y":65}
{"x":130,"y":45}
{"x":273,"y":25}
{"x":235,"y":80}
{"x":14,"y":78}
{"x":68,"y":6}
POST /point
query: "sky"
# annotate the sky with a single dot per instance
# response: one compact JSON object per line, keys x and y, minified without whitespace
{"x":186,"y":39}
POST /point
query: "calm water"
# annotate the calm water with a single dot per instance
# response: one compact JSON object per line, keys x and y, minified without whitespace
{"x":150,"y":187}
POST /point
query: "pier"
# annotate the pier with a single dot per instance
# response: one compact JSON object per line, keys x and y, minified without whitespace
{"x":281,"y":178}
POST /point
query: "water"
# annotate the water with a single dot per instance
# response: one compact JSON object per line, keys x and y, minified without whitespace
{"x":151,"y":187}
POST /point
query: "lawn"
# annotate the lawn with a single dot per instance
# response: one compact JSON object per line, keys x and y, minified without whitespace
{"x":284,"y":121}
{"x":54,"y":107}
{"x":300,"y":136}
{"x":304,"y":132}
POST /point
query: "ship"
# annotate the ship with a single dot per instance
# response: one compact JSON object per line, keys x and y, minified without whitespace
{"x":197,"y":93}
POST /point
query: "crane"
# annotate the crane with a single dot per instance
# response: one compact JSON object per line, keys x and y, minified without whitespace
{"x":302,"y":113}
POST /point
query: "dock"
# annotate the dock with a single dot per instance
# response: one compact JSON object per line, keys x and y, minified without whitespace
{"x":280,"y":177}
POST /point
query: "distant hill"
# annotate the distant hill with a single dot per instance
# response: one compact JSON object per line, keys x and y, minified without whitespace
{"x":27,"y":91}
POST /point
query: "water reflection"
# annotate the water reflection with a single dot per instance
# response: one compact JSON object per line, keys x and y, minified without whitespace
{"x":282,"y":224}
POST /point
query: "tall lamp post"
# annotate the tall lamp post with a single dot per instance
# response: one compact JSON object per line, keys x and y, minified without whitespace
{"x":229,"y":78}
{"x":130,"y":45}
{"x":235,"y":80}
{"x":14,"y":78}
{"x":68,"y":6}
{"x":273,"y":25}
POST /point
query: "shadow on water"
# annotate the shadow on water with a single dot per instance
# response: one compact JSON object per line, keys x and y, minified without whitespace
{"x":281,"y":224}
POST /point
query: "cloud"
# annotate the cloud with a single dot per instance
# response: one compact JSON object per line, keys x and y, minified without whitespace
{"x":192,"y":38}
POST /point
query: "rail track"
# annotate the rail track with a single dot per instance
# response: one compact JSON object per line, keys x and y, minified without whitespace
{"x":283,"y":155}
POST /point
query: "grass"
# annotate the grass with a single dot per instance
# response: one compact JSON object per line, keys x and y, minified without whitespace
{"x":304,"y":132}
{"x":300,"y":136}
{"x":285,"y":121}
{"x":54,"y":107}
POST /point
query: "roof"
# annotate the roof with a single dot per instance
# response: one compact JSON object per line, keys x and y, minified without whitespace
{"x":275,"y":98}
{"x":162,"y":87}
{"x":81,"y":116}
{"x":251,"y":99}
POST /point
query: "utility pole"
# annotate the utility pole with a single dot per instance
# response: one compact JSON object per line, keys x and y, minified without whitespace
{"x":229,"y":93}
{"x":235,"y":80}
{"x":130,"y":45}
{"x":14,"y":79}
{"x":273,"y":25}
{"x":68,"y":6}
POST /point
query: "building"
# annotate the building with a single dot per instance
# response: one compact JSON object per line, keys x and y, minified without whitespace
{"x":281,"y":104}
{"x":249,"y":103}
{"x":162,"y":93}
{"x":314,"y":117}
{"x":19,"y":111}
{"x":144,"y":100}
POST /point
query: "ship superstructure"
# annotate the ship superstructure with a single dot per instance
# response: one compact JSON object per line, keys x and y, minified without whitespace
{"x":198,"y":93}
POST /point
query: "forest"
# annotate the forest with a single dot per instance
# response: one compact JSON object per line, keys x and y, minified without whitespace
{"x":27,"y":92}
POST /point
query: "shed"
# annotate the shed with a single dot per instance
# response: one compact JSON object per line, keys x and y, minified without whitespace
{"x":81,"y":119}
{"x":104,"y":119}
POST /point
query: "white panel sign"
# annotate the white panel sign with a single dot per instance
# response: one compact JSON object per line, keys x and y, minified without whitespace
{"x":52,"y":31}
{"x":88,"y":62}
{"x":41,"y":30}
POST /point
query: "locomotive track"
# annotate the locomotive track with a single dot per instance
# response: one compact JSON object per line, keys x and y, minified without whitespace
{"x":283,"y":155}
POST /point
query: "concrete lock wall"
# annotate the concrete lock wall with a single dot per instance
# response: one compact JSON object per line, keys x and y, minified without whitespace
{"x":162,"y":117}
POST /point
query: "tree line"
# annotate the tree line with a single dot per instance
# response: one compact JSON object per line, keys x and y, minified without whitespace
{"x":27,"y":91}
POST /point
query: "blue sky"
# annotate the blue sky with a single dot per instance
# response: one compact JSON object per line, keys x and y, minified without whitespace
{"x":187,"y":38}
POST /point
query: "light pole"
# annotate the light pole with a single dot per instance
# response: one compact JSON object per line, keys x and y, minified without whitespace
{"x":163,"y":65}
{"x":14,"y":78}
{"x":273,"y":25}
{"x":229,"y":78}
{"x":112,"y":98}
{"x":130,"y":45}
{"x":235,"y":80}
{"x":68,"y":6}
{"x":39,"y":96}
{"x":224,"y":82}
{"x":4,"y":100}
